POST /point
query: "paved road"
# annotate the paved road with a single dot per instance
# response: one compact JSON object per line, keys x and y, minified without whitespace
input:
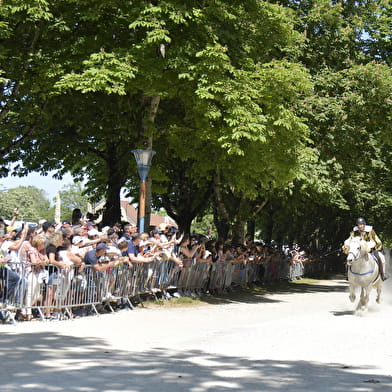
{"x":306,"y":340}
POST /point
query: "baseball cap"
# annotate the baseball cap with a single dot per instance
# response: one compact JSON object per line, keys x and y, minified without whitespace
{"x":93,"y":232}
{"x":101,"y":246}
{"x":47,"y":224}
{"x":77,"y":239}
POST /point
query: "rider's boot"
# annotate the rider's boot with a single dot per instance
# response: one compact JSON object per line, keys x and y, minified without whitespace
{"x":381,"y":266}
{"x":383,"y":275}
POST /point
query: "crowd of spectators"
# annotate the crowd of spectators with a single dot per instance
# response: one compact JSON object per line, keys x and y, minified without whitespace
{"x":48,"y":248}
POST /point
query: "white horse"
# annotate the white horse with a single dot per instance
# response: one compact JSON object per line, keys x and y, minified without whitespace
{"x":363,"y":270}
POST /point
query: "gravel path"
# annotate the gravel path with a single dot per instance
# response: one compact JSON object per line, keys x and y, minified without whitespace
{"x":306,"y":340}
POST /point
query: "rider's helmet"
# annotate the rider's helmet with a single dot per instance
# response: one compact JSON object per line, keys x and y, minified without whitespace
{"x":361,"y":221}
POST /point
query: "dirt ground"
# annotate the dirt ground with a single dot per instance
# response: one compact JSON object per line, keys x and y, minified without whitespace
{"x":302,"y":338}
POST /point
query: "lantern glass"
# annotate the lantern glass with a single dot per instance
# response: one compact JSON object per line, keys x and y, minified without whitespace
{"x":143,"y":157}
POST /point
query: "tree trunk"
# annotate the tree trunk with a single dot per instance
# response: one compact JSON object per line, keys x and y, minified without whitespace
{"x":269,"y":227}
{"x":221,"y":216}
{"x":148,"y":125}
{"x":250,"y":229}
{"x":222,"y":225}
{"x":238,"y":232}
{"x":112,"y":211}
{"x":184,"y":222}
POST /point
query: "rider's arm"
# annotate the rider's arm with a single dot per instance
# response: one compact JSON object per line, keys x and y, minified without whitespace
{"x":376,"y":239}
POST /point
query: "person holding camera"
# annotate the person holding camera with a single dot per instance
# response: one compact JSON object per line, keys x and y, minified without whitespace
{"x":93,"y":258}
{"x":134,"y":251}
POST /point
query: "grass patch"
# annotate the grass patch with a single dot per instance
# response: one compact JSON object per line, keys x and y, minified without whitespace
{"x":174,"y":302}
{"x":255,"y":294}
{"x":305,"y":281}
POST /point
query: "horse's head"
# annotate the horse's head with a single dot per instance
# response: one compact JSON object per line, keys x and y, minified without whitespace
{"x":353,"y":247}
{"x":357,"y":247}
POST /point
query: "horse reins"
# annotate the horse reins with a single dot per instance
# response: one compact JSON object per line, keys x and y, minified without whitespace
{"x":359,"y":273}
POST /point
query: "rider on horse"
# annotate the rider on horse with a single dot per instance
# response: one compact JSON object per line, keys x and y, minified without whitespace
{"x":367,"y":233}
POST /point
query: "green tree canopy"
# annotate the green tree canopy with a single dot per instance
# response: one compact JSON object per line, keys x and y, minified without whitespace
{"x":248,"y":104}
{"x":32,"y":203}
{"x":72,"y":196}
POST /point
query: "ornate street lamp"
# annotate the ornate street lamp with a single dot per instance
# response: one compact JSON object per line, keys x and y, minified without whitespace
{"x":143,"y":161}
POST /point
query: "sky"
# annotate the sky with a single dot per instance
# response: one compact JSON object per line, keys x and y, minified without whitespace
{"x":49,"y":184}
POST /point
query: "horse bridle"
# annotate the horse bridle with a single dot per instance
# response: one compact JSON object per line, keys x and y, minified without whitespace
{"x":355,"y":258}
{"x":354,"y":255}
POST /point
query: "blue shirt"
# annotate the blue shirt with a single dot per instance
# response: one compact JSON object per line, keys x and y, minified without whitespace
{"x":91,"y":257}
{"x":133,"y":249}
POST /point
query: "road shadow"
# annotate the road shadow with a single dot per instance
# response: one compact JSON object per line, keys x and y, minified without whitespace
{"x":249,"y":296}
{"x":40,"y":362}
{"x":261,"y":293}
{"x":306,"y":288}
{"x":343,"y":313}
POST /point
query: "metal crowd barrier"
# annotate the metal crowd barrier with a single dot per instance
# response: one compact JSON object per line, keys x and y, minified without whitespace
{"x":28,"y":290}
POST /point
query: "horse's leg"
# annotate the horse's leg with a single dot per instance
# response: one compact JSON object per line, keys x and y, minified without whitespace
{"x":361,"y":302}
{"x":365,"y":297}
{"x":379,"y":285}
{"x":359,"y":306}
{"x":352,"y":292}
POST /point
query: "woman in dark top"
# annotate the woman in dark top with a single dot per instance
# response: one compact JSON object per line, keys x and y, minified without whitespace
{"x":55,"y":266}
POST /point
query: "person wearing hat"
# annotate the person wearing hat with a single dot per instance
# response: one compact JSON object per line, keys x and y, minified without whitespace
{"x":164,"y":230}
{"x":92,"y":258}
{"x":47,"y":229}
{"x":156,"y":236}
{"x":4,"y":227}
{"x":65,"y":225}
{"x":96,"y":263}
{"x":134,"y":251}
{"x":367,"y":233}
{"x":76,"y":248}
{"x":93,"y":234}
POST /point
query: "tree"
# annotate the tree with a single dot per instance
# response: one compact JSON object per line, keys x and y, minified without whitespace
{"x":349,"y":176}
{"x":349,"y":121}
{"x":246,"y":103}
{"x":338,"y":34}
{"x":101,"y":76}
{"x":31,"y":202}
{"x":72,"y":196}
{"x":378,"y":42}
{"x":204,"y":224}
{"x":27,"y":57}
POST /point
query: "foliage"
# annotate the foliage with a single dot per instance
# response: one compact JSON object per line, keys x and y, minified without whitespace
{"x":31,"y":202}
{"x":338,"y":34}
{"x":248,"y":104}
{"x":349,"y":174}
{"x":204,"y":224}
{"x":378,"y":27}
{"x":72,"y":196}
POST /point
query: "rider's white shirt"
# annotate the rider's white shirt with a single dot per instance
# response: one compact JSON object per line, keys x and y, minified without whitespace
{"x":367,"y":228}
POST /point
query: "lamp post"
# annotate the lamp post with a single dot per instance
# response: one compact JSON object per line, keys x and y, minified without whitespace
{"x":143,"y":161}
